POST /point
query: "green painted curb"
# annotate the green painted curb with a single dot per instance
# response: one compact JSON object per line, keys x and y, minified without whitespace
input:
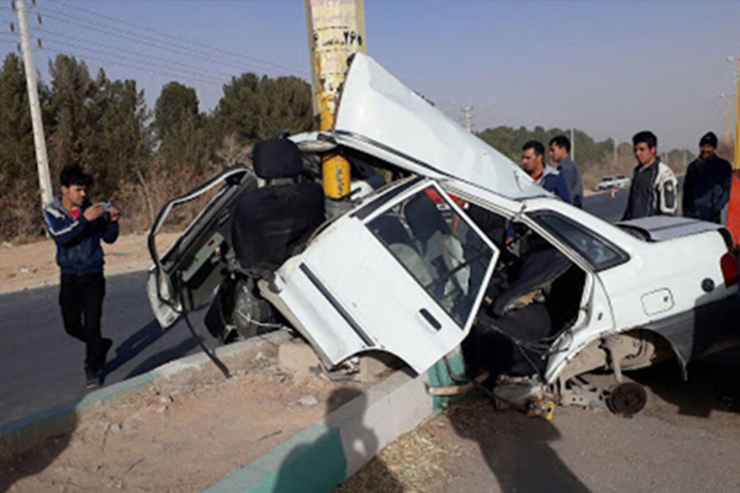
{"x":439,"y":376}
{"x":312,"y":460}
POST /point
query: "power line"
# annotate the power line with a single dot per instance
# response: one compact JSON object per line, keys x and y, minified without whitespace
{"x":210,"y":55}
{"x":178,"y":71}
{"x":137,"y":67}
{"x":63,"y":40}
{"x":239,"y":56}
{"x":137,"y":40}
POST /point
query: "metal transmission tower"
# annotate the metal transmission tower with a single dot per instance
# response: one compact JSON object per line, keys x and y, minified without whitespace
{"x":468,"y":117}
{"x":42,"y":161}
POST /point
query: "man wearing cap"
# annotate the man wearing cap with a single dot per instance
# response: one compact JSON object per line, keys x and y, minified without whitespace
{"x":706,"y":189}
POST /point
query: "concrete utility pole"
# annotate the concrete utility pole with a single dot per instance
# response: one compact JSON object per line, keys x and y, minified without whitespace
{"x":728,"y":106}
{"x":39,"y":140}
{"x":573,"y":143}
{"x":468,"y":117}
{"x":616,"y":153}
{"x":336,"y":30}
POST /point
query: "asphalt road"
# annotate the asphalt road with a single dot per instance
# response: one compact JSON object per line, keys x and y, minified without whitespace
{"x":42,"y":366}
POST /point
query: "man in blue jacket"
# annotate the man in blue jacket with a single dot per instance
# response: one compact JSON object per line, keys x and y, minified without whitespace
{"x":533,"y":162}
{"x":560,"y":155}
{"x":77,"y":226}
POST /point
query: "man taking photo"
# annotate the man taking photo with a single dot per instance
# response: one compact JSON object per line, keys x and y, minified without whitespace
{"x":653,"y":189}
{"x":706,"y":189}
{"x":77,"y":226}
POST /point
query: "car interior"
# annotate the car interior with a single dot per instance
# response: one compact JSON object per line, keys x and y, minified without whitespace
{"x":533,"y":296}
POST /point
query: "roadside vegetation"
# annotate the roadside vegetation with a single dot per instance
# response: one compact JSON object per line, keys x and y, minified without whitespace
{"x":141,"y":157}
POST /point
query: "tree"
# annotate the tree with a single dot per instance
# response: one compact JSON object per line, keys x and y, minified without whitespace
{"x":255,"y":108}
{"x":17,"y":159}
{"x":72,"y":99}
{"x":176,"y":102}
{"x":18,"y":176}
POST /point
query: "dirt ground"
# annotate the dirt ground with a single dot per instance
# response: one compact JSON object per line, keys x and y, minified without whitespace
{"x":173,"y":438}
{"x":179,"y":438}
{"x":33,"y":265}
{"x":687,"y":439}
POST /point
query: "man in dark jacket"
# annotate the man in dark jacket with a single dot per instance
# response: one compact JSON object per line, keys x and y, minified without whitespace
{"x":706,"y":189}
{"x":560,"y":155}
{"x":77,"y":226}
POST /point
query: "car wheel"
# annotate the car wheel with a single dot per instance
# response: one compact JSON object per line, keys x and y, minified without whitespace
{"x":627,"y":399}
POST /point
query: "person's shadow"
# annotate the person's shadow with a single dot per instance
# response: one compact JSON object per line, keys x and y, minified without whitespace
{"x":343,"y":446}
{"x":515,"y":448}
{"x":38,"y":458}
{"x":134,"y":345}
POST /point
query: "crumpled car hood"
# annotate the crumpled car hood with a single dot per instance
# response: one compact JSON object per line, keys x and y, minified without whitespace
{"x":378,"y":110}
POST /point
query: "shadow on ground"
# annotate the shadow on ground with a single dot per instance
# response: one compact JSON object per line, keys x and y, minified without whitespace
{"x":322,"y":464}
{"x":713,"y":384}
{"x":35,"y":460}
{"x":516,"y":448}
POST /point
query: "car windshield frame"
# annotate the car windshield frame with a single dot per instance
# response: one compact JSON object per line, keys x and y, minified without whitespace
{"x":543,"y":218}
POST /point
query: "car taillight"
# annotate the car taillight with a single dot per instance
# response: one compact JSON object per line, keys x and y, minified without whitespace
{"x":730,"y":272}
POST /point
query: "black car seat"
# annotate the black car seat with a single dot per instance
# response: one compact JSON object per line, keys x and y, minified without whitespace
{"x":510,"y":341}
{"x":273,"y":222}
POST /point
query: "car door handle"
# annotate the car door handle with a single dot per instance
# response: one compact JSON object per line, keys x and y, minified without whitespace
{"x":430,"y":319}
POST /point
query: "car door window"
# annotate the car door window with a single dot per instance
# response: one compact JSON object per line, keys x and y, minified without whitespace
{"x":438,"y":248}
{"x":597,"y":251}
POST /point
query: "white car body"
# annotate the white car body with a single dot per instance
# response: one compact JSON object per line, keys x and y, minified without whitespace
{"x":347,"y":292}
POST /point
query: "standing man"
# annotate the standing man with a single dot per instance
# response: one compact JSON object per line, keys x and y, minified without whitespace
{"x":77,"y":227}
{"x":653,"y":189}
{"x":533,"y":162}
{"x":560,"y":155}
{"x":706,"y":189}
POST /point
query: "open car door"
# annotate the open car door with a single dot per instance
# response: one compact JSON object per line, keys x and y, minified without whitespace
{"x":186,"y":275}
{"x":399,"y":274}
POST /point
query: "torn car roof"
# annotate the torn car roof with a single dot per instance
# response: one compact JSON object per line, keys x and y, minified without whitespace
{"x":376,"y":110}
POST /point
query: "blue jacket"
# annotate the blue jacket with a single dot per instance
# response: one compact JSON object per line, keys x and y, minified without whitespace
{"x":554,"y":182}
{"x":572,"y":174}
{"x":78,"y":240}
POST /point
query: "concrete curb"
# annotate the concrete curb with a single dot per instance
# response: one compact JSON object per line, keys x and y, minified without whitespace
{"x":319,"y":458}
{"x":21,"y":435}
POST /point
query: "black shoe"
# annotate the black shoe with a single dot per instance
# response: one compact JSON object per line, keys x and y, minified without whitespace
{"x":92,"y":379}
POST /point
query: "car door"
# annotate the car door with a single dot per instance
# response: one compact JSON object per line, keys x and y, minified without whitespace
{"x":186,"y":275}
{"x":399,"y":275}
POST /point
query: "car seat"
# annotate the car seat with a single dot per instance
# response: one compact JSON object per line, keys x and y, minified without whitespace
{"x":273,"y":222}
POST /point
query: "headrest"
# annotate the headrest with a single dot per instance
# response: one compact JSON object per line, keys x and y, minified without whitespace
{"x":276,"y":158}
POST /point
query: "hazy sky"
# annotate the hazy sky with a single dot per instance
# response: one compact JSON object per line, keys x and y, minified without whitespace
{"x":608,"y":67}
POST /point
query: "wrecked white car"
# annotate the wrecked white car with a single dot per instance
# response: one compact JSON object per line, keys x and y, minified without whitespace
{"x":446,"y":242}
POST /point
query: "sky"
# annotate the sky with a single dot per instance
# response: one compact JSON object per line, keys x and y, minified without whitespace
{"x":610,"y":68}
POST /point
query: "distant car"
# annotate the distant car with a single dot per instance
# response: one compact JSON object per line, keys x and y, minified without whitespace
{"x":613,"y":181}
{"x":531,"y":286}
